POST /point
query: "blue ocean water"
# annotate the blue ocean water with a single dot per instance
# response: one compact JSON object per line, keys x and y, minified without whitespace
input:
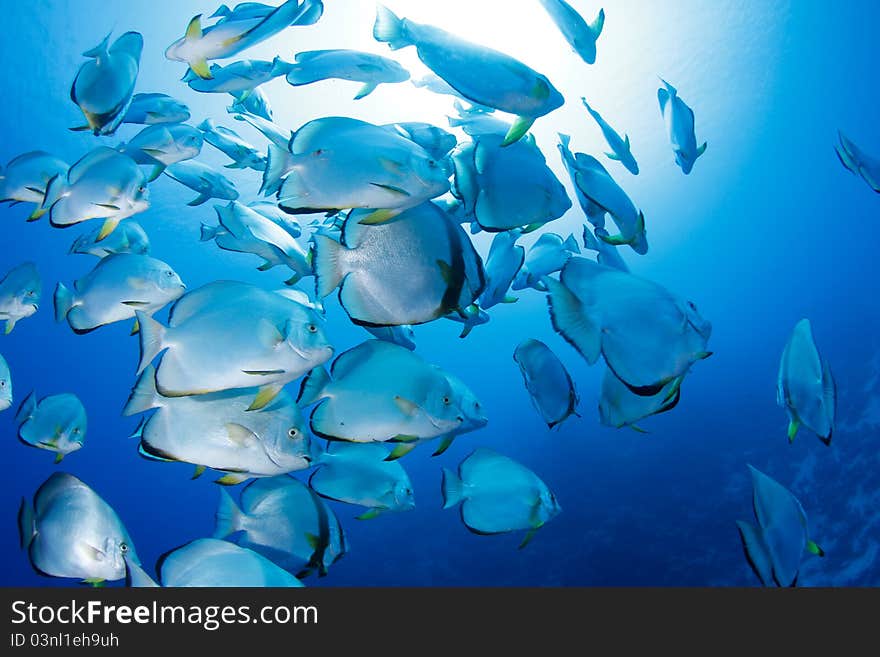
{"x":767,"y":229}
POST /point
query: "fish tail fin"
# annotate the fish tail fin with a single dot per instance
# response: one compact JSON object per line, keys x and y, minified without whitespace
{"x":310,"y":12}
{"x":312,"y":387}
{"x":64,"y":301}
{"x":390,"y":29}
{"x":228,"y":517}
{"x":25,"y":523}
{"x":277,"y":167}
{"x":207,"y":233}
{"x":597,"y":25}
{"x":590,"y":241}
{"x":301,"y":73}
{"x":55,"y":189}
{"x":152,"y":336}
{"x":329,"y":270}
{"x":144,"y":395}
{"x":452,"y":488}
{"x":570,"y":320}
{"x":26,"y":408}
{"x":571,"y":244}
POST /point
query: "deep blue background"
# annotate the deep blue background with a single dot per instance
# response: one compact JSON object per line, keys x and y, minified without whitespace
{"x":767,"y":229}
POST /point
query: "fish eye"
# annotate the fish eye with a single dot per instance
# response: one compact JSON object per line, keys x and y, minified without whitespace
{"x":142,"y":189}
{"x":692,"y":306}
{"x":123,"y":547}
{"x":292,"y":432}
{"x":3,"y":383}
{"x":169,"y":273}
{"x":76,"y":431}
{"x":312,"y":328}
{"x":30,"y":293}
{"x":446,"y":400}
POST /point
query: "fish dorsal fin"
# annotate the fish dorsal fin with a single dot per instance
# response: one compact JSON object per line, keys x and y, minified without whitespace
{"x":349,"y":360}
{"x":89,"y":160}
{"x":130,"y":43}
{"x":302,"y":140}
{"x":597,"y":25}
{"x":310,"y":55}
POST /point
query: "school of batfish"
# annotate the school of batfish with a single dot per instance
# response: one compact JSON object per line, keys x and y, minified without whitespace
{"x":393,"y":208}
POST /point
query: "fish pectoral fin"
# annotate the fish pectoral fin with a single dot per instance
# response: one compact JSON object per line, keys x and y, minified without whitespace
{"x":93,"y":552}
{"x":270,"y":335}
{"x":136,"y":327}
{"x":369,"y":515}
{"x":378,"y":217}
{"x":518,"y":129}
{"x":638,"y":429}
{"x":406,"y":406}
{"x":392,"y":188}
{"x":264,"y":396}
{"x":613,"y":156}
{"x":136,"y":304}
{"x":239,"y":435}
{"x":391,"y":166}
{"x":109,"y":206}
{"x":198,"y":472}
{"x":400,"y":450}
